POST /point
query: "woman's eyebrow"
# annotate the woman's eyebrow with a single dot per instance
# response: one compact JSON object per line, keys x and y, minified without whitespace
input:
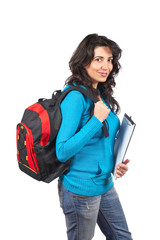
{"x":98,"y":56}
{"x":103,"y":57}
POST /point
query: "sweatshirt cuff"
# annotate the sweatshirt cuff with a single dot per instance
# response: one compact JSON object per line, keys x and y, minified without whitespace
{"x":93,"y":126}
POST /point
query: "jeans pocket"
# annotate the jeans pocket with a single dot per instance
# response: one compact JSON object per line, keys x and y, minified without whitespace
{"x":81,"y":197}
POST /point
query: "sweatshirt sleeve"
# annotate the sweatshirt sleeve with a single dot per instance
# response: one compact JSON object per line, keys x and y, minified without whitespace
{"x":69,"y":141}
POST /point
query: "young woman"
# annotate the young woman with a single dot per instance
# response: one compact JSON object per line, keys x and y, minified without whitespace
{"x":87,"y":194}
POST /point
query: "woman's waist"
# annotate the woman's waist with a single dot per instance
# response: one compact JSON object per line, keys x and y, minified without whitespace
{"x":89,"y":186}
{"x":93,"y":162}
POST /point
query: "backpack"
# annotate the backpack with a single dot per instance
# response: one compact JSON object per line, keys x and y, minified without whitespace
{"x":36,"y":137}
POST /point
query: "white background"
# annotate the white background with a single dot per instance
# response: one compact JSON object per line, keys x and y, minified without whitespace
{"x":36,"y":43}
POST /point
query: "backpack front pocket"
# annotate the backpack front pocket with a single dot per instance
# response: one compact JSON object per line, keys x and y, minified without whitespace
{"x":25,"y":151}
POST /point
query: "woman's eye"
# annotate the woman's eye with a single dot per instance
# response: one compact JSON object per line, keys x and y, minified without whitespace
{"x":110,"y":60}
{"x":98,"y":59}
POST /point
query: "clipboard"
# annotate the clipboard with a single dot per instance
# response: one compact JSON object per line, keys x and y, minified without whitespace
{"x":122,"y":140}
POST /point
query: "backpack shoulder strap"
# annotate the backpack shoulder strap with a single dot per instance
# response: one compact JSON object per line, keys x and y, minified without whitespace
{"x":80,"y":89}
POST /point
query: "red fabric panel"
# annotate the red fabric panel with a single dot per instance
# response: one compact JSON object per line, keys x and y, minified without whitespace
{"x":43,"y":115}
{"x":29,"y":155}
{"x":17,"y":137}
{"x":30,"y":149}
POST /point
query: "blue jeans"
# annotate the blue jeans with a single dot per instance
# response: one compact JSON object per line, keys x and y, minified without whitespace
{"x":82,"y":213}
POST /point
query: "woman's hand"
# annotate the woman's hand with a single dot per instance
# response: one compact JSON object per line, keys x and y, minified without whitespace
{"x":101,"y":111}
{"x":122,"y":168}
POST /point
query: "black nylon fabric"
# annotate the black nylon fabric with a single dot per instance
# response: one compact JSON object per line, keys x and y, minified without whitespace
{"x":32,"y":121}
{"x":53,"y":109}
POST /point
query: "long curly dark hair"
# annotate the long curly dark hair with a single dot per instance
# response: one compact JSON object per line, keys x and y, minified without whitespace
{"x":83,"y":56}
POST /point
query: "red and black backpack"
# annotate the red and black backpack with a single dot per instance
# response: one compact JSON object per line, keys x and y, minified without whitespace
{"x":36,"y":137}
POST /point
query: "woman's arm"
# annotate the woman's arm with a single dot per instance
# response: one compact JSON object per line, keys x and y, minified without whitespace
{"x":69,"y":141}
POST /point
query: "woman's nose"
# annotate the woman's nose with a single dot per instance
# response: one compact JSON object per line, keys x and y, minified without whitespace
{"x":105,"y":65}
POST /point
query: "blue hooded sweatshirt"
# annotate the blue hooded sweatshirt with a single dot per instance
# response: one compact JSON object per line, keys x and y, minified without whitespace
{"x":82,"y":138}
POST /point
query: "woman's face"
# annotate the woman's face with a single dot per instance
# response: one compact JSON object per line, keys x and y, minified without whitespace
{"x":101,"y":65}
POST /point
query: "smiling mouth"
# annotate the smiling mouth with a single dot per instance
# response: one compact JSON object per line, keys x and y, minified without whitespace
{"x":103,"y":74}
